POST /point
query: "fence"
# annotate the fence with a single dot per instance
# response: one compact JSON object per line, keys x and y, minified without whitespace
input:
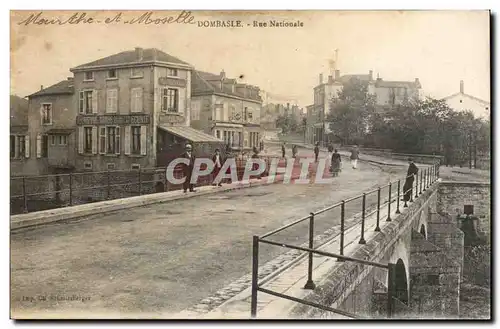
{"x":36,"y":193}
{"x":421,"y":181}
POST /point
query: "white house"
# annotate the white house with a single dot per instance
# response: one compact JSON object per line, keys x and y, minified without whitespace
{"x":463,"y":102}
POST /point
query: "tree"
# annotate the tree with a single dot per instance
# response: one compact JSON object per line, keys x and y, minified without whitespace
{"x":350,"y":112}
{"x":287,"y":123}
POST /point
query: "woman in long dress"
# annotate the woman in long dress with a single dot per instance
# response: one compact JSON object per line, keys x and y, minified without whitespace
{"x":336,"y":162}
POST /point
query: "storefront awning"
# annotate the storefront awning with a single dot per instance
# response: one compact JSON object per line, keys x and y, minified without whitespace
{"x":190,"y":134}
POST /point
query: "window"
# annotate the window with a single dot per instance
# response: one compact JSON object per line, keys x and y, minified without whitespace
{"x":110,"y":166}
{"x":172,"y":72}
{"x":102,"y":140}
{"x":52,"y":140}
{"x":85,"y":104}
{"x":46,"y":114}
{"x":137,"y":72}
{"x":249,"y":116}
{"x":87,"y":165}
{"x":63,"y":140}
{"x":136,"y":166}
{"x":89,"y":76}
{"x":136,"y":140}
{"x":22,"y":145}
{"x":217,"y":133}
{"x":111,"y":100}
{"x":170,"y":100}
{"x":12,"y":147}
{"x":112,"y":74}
{"x":136,"y":101}
{"x":87,"y":145}
{"x":113,"y":140}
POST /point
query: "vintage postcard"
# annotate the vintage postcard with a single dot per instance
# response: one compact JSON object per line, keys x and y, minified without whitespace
{"x":250,"y":165}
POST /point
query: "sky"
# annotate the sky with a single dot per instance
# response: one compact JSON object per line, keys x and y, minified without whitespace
{"x":439,"y":47}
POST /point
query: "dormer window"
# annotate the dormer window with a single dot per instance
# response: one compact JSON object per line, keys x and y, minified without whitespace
{"x":112,"y":74}
{"x":172,"y":72}
{"x":89,"y":76}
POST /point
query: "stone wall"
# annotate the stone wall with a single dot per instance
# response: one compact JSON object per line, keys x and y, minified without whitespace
{"x":387,"y":153}
{"x":453,"y":196}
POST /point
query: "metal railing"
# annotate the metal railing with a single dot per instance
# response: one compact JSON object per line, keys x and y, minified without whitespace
{"x":412,"y":187}
{"x":42,"y":192}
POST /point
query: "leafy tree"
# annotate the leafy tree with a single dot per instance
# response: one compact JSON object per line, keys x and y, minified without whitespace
{"x":287,"y":123}
{"x":350,"y":111}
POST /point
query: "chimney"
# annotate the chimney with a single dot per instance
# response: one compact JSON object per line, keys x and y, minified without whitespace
{"x":139,"y":53}
{"x":337,"y":74}
{"x":379,"y":78}
{"x":70,"y":78}
{"x":41,"y":87}
{"x":461,"y":86}
{"x":330,"y":79}
{"x":222,"y":75}
{"x":370,"y":75}
{"x":320,"y":78}
{"x":417,"y":82}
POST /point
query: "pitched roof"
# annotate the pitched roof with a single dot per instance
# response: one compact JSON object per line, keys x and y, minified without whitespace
{"x":62,"y":87}
{"x":468,"y":96}
{"x":130,"y":57}
{"x":206,"y":82}
{"x":18,"y":111}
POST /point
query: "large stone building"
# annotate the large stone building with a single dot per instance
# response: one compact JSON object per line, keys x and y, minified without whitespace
{"x":461,"y":102}
{"x":387,"y":94}
{"x":227,"y":110}
{"x":133,"y":110}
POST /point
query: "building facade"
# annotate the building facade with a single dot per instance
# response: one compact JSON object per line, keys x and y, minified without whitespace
{"x":133,"y":110}
{"x":19,"y":135}
{"x":227,"y":110}
{"x":463,"y":102}
{"x":51,"y":124}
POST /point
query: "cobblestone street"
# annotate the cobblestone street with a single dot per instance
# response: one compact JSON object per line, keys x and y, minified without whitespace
{"x":160,"y":259}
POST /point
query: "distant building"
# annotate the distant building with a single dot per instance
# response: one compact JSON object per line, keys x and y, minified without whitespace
{"x":227,"y":110}
{"x":387,"y":94}
{"x":19,"y":134}
{"x":461,"y":102}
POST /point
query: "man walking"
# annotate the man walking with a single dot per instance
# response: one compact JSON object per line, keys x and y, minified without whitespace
{"x":316,"y":152}
{"x":410,"y":178}
{"x":187,"y":169}
{"x":354,"y":157}
{"x":217,"y":160}
{"x":283,"y":149}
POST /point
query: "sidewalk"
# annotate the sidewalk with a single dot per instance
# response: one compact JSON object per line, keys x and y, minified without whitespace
{"x":97,"y":208}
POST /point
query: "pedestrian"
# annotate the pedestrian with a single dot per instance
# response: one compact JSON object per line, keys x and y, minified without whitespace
{"x":410,"y":178}
{"x":336,"y":163}
{"x":283,"y":149}
{"x":187,"y":169}
{"x":330,"y":150}
{"x":261,"y":145}
{"x":316,"y":152}
{"x":294,"y":151}
{"x":255,"y":166}
{"x":217,"y":160}
{"x":354,"y":157}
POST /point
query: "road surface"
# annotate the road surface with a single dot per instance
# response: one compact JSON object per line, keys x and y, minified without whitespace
{"x":160,"y":259}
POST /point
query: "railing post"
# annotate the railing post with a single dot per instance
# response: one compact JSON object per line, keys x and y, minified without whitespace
{"x":399,"y":196}
{"x":424,"y":176}
{"x":389,"y":205}
{"x":342,"y":228}
{"x":420,"y":184}
{"x":391,"y":289}
{"x":377,"y":229}
{"x":416,"y":185}
{"x":25,"y":198}
{"x":363,"y":214}
{"x":310,"y":283}
{"x":70,"y":189}
{"x":140,"y":182}
{"x":255,"y":275}
{"x":109,"y":187}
